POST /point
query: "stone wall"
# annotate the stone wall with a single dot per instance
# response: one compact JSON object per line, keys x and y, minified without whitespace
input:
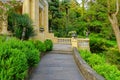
{"x":86,"y":70}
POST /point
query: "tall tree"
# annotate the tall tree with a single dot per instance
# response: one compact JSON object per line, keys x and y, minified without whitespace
{"x":112,"y":15}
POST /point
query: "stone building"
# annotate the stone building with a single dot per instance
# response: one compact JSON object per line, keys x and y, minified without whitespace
{"x":37,"y":11}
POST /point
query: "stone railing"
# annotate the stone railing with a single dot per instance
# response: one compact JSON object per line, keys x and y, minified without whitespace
{"x":75,"y":42}
{"x":83,"y":43}
{"x":64,"y":40}
{"x":85,"y":69}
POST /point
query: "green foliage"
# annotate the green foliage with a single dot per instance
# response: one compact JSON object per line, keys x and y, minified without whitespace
{"x":99,"y":44}
{"x":98,"y":63}
{"x":110,"y":72}
{"x":85,"y":54}
{"x":95,"y":59}
{"x":13,"y":64}
{"x":113,"y":56}
{"x":17,"y":56}
{"x":48,"y":44}
{"x":39,"y":45}
{"x":16,"y":24}
{"x":32,"y":56}
{"x":63,"y":18}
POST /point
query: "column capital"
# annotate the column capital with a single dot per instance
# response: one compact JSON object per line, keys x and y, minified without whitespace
{"x":44,"y":2}
{"x":41,"y":6}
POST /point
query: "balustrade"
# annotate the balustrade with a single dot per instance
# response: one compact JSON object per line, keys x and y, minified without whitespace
{"x":77,"y":42}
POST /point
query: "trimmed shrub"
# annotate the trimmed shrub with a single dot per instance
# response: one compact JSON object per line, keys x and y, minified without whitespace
{"x":28,"y":48}
{"x":39,"y":45}
{"x":13,"y":64}
{"x":32,"y":56}
{"x":16,"y":57}
{"x":49,"y":45}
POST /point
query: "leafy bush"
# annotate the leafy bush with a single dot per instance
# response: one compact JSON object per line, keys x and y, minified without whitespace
{"x":113,"y":56}
{"x":13,"y":64}
{"x":110,"y":72}
{"x":97,"y":62}
{"x":95,"y":59}
{"x":85,"y":54}
{"x":98,"y":44}
{"x":19,"y":24}
{"x":48,"y":44}
{"x":39,"y":45}
{"x":16,"y":57}
{"x":32,"y":56}
{"x":28,"y":48}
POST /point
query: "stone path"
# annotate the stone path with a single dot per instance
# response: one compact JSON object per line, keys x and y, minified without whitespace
{"x":62,"y":47}
{"x":56,"y":66}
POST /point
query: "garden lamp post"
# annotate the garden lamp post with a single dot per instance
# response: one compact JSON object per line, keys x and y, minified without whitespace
{"x":74,"y":35}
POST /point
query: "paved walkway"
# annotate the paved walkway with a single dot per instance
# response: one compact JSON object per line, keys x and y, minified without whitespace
{"x":56,"y":66}
{"x":62,"y":47}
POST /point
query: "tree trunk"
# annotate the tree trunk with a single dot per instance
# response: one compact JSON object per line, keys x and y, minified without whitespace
{"x":114,"y":22}
{"x":83,"y":7}
{"x":23,"y":34}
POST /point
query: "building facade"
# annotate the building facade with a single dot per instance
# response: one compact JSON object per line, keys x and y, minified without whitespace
{"x":37,"y":11}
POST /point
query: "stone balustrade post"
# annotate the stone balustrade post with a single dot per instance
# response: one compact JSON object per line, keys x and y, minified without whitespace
{"x":74,"y":42}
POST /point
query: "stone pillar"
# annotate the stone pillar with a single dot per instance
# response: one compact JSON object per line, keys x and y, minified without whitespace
{"x":35,"y":15}
{"x":46,"y":16}
{"x":26,"y":7}
{"x":42,"y":18}
{"x":41,"y":15}
{"x":74,"y":42}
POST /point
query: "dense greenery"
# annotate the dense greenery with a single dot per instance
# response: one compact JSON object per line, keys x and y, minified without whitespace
{"x":92,"y":17}
{"x":39,"y":45}
{"x":99,"y":64}
{"x":48,"y":44}
{"x":20,"y":25}
{"x":17,"y":56}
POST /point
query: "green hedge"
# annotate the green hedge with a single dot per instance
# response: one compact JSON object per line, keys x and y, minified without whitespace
{"x":39,"y":45}
{"x":17,"y":56}
{"x":98,"y":63}
{"x":13,"y":63}
{"x":48,"y":44}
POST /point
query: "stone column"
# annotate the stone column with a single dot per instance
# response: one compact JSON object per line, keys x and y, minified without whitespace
{"x":35,"y":15}
{"x":74,"y":42}
{"x":46,"y":16}
{"x":41,"y":15}
{"x":26,"y":7}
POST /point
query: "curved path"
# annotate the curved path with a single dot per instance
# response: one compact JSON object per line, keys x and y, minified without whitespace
{"x":57,"y":66}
